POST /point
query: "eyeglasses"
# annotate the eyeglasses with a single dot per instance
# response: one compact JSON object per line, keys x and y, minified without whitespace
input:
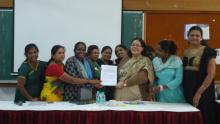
{"x":135,"y":45}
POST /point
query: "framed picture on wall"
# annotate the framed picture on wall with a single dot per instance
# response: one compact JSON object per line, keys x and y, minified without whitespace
{"x":205,"y":29}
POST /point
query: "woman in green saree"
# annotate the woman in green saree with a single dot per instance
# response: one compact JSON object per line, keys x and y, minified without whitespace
{"x":30,"y":76}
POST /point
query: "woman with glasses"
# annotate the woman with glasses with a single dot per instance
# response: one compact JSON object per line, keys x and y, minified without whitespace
{"x":135,"y":75}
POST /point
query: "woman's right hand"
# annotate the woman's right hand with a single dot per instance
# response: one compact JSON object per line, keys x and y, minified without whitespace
{"x":120,"y":84}
{"x":35,"y":99}
{"x":94,"y":81}
{"x":99,"y":86}
{"x":154,"y":89}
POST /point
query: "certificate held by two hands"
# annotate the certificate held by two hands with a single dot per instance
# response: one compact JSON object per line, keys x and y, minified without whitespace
{"x":109,"y":75}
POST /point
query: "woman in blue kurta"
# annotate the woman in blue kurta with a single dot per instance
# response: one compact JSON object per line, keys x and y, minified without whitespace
{"x":169,"y":73}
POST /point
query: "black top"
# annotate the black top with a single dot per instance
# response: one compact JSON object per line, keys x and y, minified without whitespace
{"x":193,"y":79}
{"x":109,"y":90}
{"x":101,"y":62}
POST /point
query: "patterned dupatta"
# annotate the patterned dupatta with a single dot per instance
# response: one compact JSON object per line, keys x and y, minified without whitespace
{"x":84,"y":68}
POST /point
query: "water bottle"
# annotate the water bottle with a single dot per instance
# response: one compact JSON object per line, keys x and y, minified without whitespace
{"x":103,"y":99}
{"x":98,"y":98}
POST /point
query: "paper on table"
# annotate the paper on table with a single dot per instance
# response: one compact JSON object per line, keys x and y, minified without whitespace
{"x":34,"y":103}
{"x":109,"y":75}
{"x":218,"y":56}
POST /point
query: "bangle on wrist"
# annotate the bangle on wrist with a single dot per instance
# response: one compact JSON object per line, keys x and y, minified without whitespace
{"x":125,"y":84}
{"x":161,"y":87}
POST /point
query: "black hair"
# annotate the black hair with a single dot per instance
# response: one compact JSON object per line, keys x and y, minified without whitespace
{"x":91,"y":48}
{"x":53,"y":52}
{"x":197,"y":28}
{"x":29,"y":47}
{"x":143,"y":45}
{"x":150,"y":52}
{"x":122,"y":46}
{"x":106,"y":47}
{"x":77,"y":45}
{"x":168,"y":46}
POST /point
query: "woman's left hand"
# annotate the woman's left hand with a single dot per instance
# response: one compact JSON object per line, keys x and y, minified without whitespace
{"x":196,"y":99}
{"x":94,"y":81}
{"x":155,"y":89}
{"x":98,"y":86}
{"x":120,"y":84}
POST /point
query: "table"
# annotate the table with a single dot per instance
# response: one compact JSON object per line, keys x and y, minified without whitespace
{"x":115,"y":113}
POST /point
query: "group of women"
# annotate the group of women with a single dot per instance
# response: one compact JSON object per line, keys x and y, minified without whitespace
{"x":143,"y":74}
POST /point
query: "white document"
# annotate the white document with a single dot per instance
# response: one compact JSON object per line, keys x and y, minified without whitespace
{"x":109,"y":75}
{"x":218,"y":56}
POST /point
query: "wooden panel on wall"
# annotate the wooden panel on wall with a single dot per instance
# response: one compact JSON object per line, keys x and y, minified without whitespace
{"x":170,"y":25}
{"x":202,"y":5}
{"x":199,"y":5}
{"x":6,"y":3}
{"x":153,"y":4}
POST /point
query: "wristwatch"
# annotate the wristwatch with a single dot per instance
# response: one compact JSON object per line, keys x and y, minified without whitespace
{"x":125,"y":84}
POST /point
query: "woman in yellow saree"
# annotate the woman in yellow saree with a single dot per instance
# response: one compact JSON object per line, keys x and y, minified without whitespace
{"x":53,"y":87}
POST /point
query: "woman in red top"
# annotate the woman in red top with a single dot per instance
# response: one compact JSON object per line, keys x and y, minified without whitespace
{"x":53,"y":87}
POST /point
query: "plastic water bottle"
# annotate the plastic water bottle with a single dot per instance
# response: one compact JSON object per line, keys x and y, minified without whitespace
{"x":103,"y":99}
{"x":98,"y":97}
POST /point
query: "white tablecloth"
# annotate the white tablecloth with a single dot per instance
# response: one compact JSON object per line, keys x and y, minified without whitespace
{"x":117,"y":106}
